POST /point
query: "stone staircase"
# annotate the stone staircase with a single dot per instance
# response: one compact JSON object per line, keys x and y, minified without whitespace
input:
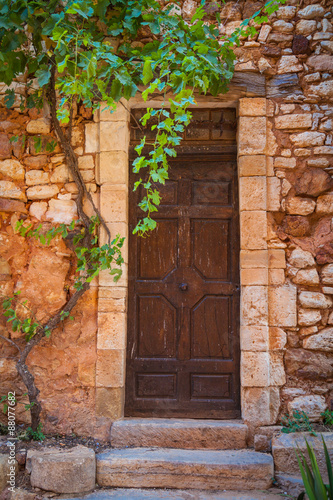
{"x":183,"y":454}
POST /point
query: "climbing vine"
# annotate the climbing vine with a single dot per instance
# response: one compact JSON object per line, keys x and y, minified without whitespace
{"x":90,"y":52}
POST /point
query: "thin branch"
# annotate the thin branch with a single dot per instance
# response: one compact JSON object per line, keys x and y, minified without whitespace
{"x":11,"y":342}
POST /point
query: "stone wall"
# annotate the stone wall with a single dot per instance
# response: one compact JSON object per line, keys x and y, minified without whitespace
{"x":286,"y":206}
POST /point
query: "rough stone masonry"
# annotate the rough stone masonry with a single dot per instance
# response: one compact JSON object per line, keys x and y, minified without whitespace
{"x":286,"y":210}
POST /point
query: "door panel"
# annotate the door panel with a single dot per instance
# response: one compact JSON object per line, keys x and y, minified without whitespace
{"x":183,"y":321}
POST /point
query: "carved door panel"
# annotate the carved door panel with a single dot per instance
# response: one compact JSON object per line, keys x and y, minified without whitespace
{"x":183,"y":322}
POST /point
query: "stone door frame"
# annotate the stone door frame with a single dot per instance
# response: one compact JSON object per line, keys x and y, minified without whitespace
{"x":261,"y":268}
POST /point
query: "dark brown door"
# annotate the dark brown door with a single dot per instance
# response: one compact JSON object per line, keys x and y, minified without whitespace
{"x":183,"y":324}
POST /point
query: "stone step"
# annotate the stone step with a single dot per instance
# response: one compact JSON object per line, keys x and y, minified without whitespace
{"x":179,"y":433}
{"x":183,"y":469}
{"x":160,"y":494}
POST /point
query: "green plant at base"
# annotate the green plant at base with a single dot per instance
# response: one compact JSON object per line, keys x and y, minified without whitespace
{"x":297,"y":422}
{"x":327,"y":417}
{"x":29,"y":434}
{"x":311,"y":476}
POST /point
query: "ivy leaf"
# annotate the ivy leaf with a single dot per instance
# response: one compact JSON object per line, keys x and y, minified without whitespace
{"x":43,"y":76}
{"x":9,"y":98}
{"x":147,"y":72}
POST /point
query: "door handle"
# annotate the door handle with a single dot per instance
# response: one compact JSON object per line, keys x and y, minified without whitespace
{"x":183,"y":287}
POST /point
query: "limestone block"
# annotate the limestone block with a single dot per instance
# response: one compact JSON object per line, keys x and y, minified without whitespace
{"x":252,"y":193}
{"x":38,"y":209}
{"x":324,"y":150}
{"x":312,"y":405}
{"x":282,"y":26}
{"x":260,"y":406}
{"x":254,"y":306}
{"x":252,"y":135}
{"x":305,"y":27}
{"x":12,"y":169}
{"x":327,"y":274}
{"x":9,"y":190}
{"x":106,"y":279}
{"x":87,"y":175}
{"x":300,"y":206}
{"x":307,"y":317}
{"x":91,"y":137}
{"x":325,"y":204}
{"x":114,"y":203}
{"x":7,"y":467}
{"x":254,"y":338}
{"x":276,"y":277}
{"x":252,"y":259}
{"x":322,"y":341}
{"x":120,"y":114}
{"x":284,"y":446}
{"x":254,"y":369}
{"x":301,"y":258}
{"x":112,"y":167}
{"x":315,"y":300}
{"x":64,"y":471}
{"x":282,"y":162}
{"x":61,"y":211}
{"x":39,"y":126}
{"x":286,"y":12}
{"x":273,"y":194}
{"x":35,"y":177}
{"x":264,"y":32}
{"x":112,"y":299}
{"x":107,"y":358}
{"x":253,"y":230}
{"x":114,"y":136}
{"x":289,"y":64}
{"x":252,"y":165}
{"x":61,"y":174}
{"x":255,"y":106}
{"x":277,"y":338}
{"x":111,"y":330}
{"x":307,"y":277}
{"x":322,"y":62}
{"x":254,"y":276}
{"x":282,"y":305}
{"x":86,"y":162}
{"x":276,"y":258}
{"x":311,"y":12}
{"x":277,"y":376}
{"x":294,"y":121}
{"x":323,"y":89}
{"x":307,"y":139}
{"x":271,"y":142}
{"x":110,"y":402}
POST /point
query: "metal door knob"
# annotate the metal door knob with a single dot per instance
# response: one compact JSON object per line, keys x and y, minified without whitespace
{"x":183,"y":287}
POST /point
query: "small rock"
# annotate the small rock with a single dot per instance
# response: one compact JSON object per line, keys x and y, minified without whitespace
{"x":307,"y":277}
{"x":264,"y":32}
{"x":42,"y":192}
{"x":305,"y":28}
{"x":282,"y":162}
{"x":61,"y":211}
{"x":39,"y":126}
{"x":322,"y":62}
{"x":315,"y":300}
{"x":13,"y":169}
{"x":322,"y":341}
{"x":300,"y":206}
{"x":306,"y":139}
{"x":271,"y":51}
{"x":311,"y":12}
{"x":325,"y":204}
{"x":35,"y":177}
{"x":36,"y":162}
{"x":286,"y":12}
{"x":262,"y":443}
{"x":86,"y":162}
{"x":289,"y":64}
{"x":189,"y":8}
{"x":283,"y":26}
{"x":324,"y":89}
{"x":301,"y":258}
{"x":308,"y":317}
{"x":313,"y":182}
{"x":9,"y":190}
{"x":294,"y":121}
{"x":64,"y":471}
{"x":327,"y":274}
{"x":5,"y":147}
{"x":61,"y":174}
{"x":38,"y":209}
{"x":318,"y":162}
{"x":300,"y":45}
{"x":296,"y":225}
{"x":313,"y":406}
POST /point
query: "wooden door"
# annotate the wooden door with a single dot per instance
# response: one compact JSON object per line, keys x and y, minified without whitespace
{"x":183,"y":308}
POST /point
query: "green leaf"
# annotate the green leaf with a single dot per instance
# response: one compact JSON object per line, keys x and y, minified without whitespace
{"x":9,"y":98}
{"x":147,"y":72}
{"x":43,"y":76}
